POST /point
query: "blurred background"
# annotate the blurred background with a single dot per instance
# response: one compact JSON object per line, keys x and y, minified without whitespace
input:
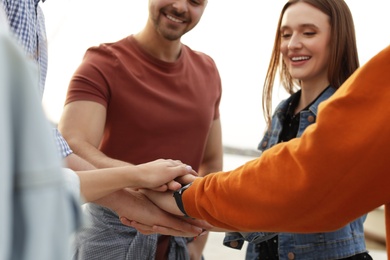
{"x":238,"y":35}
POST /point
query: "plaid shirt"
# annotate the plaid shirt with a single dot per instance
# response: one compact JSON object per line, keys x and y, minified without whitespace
{"x":27,"y":22}
{"x":105,"y":237}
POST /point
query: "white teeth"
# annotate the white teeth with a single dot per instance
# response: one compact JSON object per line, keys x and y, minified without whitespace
{"x":300,"y":58}
{"x":174,"y":19}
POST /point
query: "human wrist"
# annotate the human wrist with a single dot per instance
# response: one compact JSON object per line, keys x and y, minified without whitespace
{"x":178,"y":198}
{"x":134,"y":177}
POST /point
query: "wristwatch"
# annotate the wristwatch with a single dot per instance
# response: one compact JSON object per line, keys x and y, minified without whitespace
{"x":177,"y":194}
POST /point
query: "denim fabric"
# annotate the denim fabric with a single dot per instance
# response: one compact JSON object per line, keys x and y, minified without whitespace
{"x":342,"y":243}
{"x":307,"y":117}
{"x":38,"y":214}
{"x":236,"y":239}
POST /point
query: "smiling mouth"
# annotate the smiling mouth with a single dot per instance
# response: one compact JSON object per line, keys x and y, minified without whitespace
{"x":173,"y":19}
{"x":300,"y":58}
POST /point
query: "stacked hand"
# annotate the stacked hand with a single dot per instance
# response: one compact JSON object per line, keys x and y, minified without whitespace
{"x":160,"y":213}
{"x":162,"y":175}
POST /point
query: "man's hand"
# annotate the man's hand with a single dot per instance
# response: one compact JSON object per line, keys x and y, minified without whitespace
{"x":148,"y":230}
{"x":135,"y":206}
{"x":165,"y":201}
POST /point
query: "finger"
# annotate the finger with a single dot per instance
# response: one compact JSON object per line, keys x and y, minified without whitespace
{"x":187,"y":168}
{"x":173,"y":185}
{"x":173,"y":163}
{"x":125,"y":221}
{"x":199,"y":223}
{"x":162,"y":188}
{"x":173,"y":232}
{"x":144,"y":229}
{"x":185,"y":179}
{"x":190,"y":170}
{"x":147,"y":230}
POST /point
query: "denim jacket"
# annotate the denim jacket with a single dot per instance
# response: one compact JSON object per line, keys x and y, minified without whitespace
{"x":342,"y":243}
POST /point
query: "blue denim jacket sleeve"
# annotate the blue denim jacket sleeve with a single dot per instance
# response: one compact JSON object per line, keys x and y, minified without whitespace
{"x":236,"y":239}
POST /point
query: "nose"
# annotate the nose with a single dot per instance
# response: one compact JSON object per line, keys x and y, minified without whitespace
{"x":181,"y":6}
{"x":294,"y":42}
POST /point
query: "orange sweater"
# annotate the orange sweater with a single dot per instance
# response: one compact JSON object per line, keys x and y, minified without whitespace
{"x":337,"y":171}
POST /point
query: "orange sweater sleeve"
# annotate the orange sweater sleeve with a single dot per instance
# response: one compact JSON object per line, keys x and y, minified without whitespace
{"x":337,"y":171}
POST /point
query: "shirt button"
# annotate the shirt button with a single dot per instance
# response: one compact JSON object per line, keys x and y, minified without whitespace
{"x":234,"y":244}
{"x":264,"y":144}
{"x":291,"y":255}
{"x":310,"y":119}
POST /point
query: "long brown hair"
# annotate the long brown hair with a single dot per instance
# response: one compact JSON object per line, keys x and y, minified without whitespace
{"x":343,"y":60}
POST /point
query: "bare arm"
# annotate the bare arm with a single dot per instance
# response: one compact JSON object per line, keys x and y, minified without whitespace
{"x":157,"y":175}
{"x":76,"y":163}
{"x":212,"y":162}
{"x":82,"y":125}
{"x":213,"y":155}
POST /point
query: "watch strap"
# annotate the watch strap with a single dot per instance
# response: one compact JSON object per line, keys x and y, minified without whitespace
{"x":178,"y":198}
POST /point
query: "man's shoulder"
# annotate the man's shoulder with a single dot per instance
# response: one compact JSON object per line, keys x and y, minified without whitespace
{"x":196,"y":52}
{"x":112,"y":44}
{"x":107,"y":49}
{"x":199,"y":56}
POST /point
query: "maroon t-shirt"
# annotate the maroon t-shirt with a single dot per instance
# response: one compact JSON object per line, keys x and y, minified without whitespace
{"x":155,"y":109}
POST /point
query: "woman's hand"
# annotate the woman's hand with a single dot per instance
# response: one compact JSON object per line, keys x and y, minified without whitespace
{"x":163,"y":175}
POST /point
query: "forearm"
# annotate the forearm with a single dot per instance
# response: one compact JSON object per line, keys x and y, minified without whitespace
{"x":158,"y":175}
{"x":281,"y":204}
{"x":93,"y":155}
{"x":99,"y":183}
{"x":76,"y":163}
{"x":211,"y":164}
{"x":209,"y":167}
{"x":115,"y":200}
{"x":213,"y":156}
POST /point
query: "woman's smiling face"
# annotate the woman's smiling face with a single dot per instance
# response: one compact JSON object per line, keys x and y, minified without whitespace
{"x":305,"y":36}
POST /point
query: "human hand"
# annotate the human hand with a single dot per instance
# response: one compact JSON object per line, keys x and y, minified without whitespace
{"x":156,"y":229}
{"x":196,"y":247}
{"x":162,"y":175}
{"x":134,"y":206}
{"x":163,"y":200}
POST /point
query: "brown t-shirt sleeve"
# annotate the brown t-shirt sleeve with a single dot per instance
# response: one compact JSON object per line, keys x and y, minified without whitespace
{"x":92,"y":78}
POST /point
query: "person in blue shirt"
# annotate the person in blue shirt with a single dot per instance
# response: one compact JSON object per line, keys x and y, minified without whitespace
{"x":314,"y":52}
